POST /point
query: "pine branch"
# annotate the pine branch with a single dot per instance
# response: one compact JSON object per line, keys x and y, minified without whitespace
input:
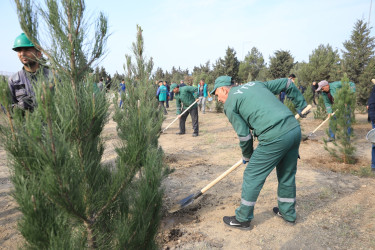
{"x":114,"y":197}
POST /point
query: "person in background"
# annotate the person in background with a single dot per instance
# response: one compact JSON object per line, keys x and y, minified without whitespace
{"x":171,"y":94}
{"x":314,"y":87}
{"x":167,"y":100}
{"x":21,"y":83}
{"x":371,"y":116}
{"x":282,"y":94}
{"x":108,"y":83}
{"x":252,"y":109}
{"x":161,"y":93}
{"x":202,"y":93}
{"x":328,"y":91}
{"x":100,"y":84}
{"x":186,"y":96}
{"x":122,"y":90}
{"x":182,"y":83}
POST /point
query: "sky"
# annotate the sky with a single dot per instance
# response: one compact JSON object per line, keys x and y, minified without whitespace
{"x":188,"y":33}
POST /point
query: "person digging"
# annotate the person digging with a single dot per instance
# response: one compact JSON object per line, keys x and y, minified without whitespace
{"x":254,"y":107}
{"x":186,"y":96}
{"x":328,"y":91}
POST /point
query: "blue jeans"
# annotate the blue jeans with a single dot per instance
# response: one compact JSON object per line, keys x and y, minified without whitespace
{"x":282,"y":97}
{"x":331,"y":134}
{"x":373,"y":149}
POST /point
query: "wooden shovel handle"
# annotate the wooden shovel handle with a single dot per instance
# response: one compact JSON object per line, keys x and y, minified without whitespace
{"x":239,"y":163}
{"x":322,"y":123}
{"x":308,"y":107}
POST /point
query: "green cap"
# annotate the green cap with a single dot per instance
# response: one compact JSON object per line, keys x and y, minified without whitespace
{"x":222,"y":81}
{"x":173,"y":86}
{"x":22,"y":41}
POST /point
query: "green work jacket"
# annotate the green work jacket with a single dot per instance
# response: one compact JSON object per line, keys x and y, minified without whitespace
{"x":333,"y":89}
{"x":186,"y":96}
{"x":253,"y":106}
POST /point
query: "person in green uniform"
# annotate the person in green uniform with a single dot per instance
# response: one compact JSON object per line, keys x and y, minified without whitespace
{"x":328,"y":91}
{"x":254,"y":107}
{"x":186,"y":96}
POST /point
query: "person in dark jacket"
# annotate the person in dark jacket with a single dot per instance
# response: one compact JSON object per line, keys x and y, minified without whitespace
{"x":371,"y":116}
{"x":314,"y":87}
{"x":165,"y":83}
{"x":21,"y":83}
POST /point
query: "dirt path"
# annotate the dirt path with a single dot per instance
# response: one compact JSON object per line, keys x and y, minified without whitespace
{"x":335,"y":210}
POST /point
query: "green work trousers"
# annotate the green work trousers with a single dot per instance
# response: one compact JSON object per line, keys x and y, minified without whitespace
{"x":282,"y":152}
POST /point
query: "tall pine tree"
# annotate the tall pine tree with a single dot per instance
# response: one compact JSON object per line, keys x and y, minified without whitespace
{"x":324,"y":64}
{"x":139,"y":126}
{"x":357,"y":55}
{"x":281,"y":64}
{"x":231,"y":64}
{"x":251,"y":66}
{"x":68,"y":198}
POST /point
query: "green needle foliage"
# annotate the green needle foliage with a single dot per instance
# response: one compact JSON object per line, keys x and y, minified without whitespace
{"x":341,"y":124}
{"x":308,"y":94}
{"x":68,"y":198}
{"x":139,"y":126}
{"x":320,"y":112}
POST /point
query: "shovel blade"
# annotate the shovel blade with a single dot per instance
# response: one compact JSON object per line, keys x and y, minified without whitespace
{"x":182,"y":203}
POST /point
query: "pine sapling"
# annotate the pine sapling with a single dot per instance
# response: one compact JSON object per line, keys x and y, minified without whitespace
{"x":341,"y":124}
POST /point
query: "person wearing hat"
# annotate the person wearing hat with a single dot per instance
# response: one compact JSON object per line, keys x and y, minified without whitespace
{"x":254,"y":107}
{"x":21,"y":83}
{"x":186,"y":96}
{"x":328,"y":91}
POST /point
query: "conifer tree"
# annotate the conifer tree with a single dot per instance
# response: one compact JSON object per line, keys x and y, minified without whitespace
{"x":324,"y":64}
{"x":357,"y":55}
{"x":68,"y":198}
{"x":341,"y":124}
{"x":231,"y":64}
{"x":308,"y":94}
{"x":139,"y":126}
{"x":281,"y":64}
{"x":251,"y":66}
{"x":320,"y":112}
{"x":290,"y":105}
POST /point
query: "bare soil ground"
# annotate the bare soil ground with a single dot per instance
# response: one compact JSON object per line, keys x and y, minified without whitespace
{"x":335,"y":209}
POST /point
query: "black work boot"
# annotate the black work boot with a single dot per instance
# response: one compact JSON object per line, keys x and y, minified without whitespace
{"x":277,"y":212}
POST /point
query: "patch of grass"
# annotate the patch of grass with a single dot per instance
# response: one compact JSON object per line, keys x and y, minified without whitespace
{"x":325,"y":193}
{"x":226,"y":146}
{"x":356,"y":210}
{"x":364,"y":171}
{"x":211,"y":138}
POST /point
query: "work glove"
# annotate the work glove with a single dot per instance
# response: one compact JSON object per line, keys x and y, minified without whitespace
{"x":299,"y":112}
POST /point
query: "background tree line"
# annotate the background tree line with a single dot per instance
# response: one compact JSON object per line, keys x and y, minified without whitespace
{"x":325,"y":63}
